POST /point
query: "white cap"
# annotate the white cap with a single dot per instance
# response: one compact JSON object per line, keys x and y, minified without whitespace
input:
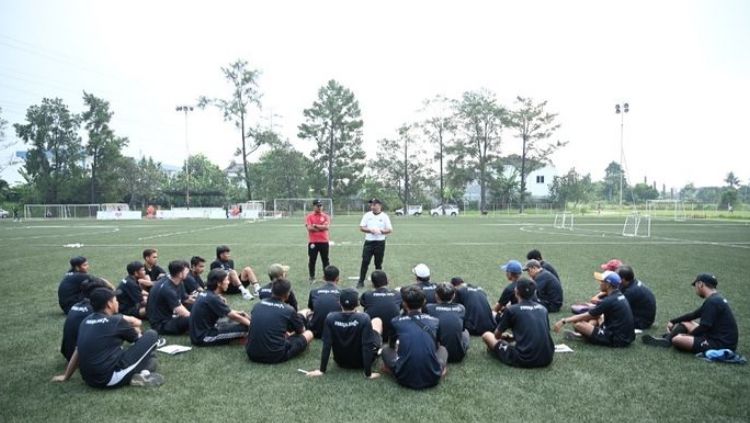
{"x":421,"y":270}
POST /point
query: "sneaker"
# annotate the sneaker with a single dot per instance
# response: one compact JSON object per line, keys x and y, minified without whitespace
{"x":146,"y":378}
{"x":572,"y":336}
{"x":161,"y":342}
{"x":248,"y":296}
{"x":656,"y":342}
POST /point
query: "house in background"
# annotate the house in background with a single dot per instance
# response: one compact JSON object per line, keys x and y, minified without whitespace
{"x":538,"y":183}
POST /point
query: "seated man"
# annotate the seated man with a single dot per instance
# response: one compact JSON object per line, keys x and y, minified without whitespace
{"x":354,"y":338}
{"x":77,"y":313}
{"x":612,"y":266}
{"x":382,"y":303}
{"x":238,"y":283}
{"x":277,"y":271}
{"x":205,"y":327}
{"x":322,"y":301}
{"x":537,"y":255}
{"x":532,"y":346}
{"x":641,"y":299}
{"x":193,"y":281}
{"x":422,"y":274}
{"x":69,"y":291}
{"x":478,"y":319}
{"x":130,"y":296}
{"x":277,"y":332}
{"x":450,"y":316}
{"x":548,"y":288}
{"x":154,"y":272}
{"x":414,"y":355}
{"x":716,"y":330}
{"x":165,"y":310}
{"x":513,"y":272}
{"x":100,"y":356}
{"x":615,"y":328}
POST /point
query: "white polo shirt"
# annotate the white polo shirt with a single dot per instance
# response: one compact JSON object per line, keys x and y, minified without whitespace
{"x":380,"y":221}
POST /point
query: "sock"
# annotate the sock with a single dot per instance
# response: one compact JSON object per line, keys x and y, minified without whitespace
{"x":256,"y":286}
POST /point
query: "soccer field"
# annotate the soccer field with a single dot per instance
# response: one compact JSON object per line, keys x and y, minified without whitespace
{"x":219,"y":383}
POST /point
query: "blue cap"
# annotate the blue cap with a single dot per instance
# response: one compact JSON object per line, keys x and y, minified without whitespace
{"x":512,"y":266}
{"x":609,"y":277}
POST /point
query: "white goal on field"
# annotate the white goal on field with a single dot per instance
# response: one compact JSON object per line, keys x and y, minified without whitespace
{"x":676,"y":208}
{"x":61,"y":211}
{"x":637,"y":225}
{"x":288,"y":207}
{"x":564,"y":221}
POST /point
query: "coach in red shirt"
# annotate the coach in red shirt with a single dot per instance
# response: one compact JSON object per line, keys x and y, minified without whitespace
{"x":317,"y":224}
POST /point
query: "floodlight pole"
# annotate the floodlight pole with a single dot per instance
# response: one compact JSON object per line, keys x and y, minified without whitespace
{"x":186,"y":109}
{"x":621,"y":110}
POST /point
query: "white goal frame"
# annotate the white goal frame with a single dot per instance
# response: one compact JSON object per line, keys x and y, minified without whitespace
{"x":306,"y":206}
{"x":676,"y":206}
{"x":565,"y":220}
{"x":637,"y":225}
{"x":60,"y":211}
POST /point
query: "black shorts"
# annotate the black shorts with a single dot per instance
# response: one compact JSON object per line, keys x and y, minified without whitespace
{"x":701,"y":344}
{"x":507,"y":354}
{"x":295,"y":344}
{"x":605,"y":337}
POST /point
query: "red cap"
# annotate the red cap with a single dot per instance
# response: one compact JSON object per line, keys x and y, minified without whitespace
{"x":611,"y":265}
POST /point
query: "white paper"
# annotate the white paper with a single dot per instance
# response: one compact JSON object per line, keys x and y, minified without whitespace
{"x":174,"y":349}
{"x":560,"y":348}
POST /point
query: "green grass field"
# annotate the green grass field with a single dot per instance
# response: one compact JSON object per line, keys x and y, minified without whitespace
{"x":210,"y":384}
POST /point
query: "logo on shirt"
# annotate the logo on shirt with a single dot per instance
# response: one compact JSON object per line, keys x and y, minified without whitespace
{"x":341,"y":324}
{"x":97,"y":321}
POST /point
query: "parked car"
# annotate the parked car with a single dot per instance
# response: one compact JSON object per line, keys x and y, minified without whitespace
{"x":414,"y":210}
{"x":4,"y":214}
{"x":445,"y":209}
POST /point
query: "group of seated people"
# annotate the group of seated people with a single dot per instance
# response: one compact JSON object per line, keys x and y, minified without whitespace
{"x":416,"y":330}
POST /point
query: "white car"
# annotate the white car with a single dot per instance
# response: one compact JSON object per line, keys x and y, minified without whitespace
{"x":445,"y":209}
{"x":4,"y":214}
{"x":414,"y":210}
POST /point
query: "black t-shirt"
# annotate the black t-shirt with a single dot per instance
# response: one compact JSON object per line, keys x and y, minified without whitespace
{"x":155,"y":272}
{"x":69,"y":291}
{"x":266,"y":292}
{"x":451,"y":318}
{"x":270,"y":320}
{"x":717,"y":322}
{"x":223,"y":265}
{"x":549,"y":291}
{"x":478,"y":311}
{"x":529,"y":322}
{"x":207,"y":310}
{"x":165,"y":296}
{"x":353,"y":341}
{"x":429,"y":291}
{"x":618,"y":318}
{"x":322,"y":301}
{"x":509,"y":295}
{"x":550,"y":268}
{"x":417,"y":366}
{"x":100,"y":340}
{"x":642,"y":304}
{"x":383,"y":303}
{"x":193,"y":283}
{"x":129,"y":296}
{"x":77,"y":313}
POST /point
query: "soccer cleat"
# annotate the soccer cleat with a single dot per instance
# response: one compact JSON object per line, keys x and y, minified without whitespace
{"x":146,"y":378}
{"x":572,"y":336}
{"x":656,"y":342}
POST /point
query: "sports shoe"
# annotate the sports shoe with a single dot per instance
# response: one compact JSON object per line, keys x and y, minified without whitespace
{"x":247,"y":296}
{"x":146,"y":378}
{"x":161,"y":342}
{"x":656,"y":342}
{"x":572,"y":336}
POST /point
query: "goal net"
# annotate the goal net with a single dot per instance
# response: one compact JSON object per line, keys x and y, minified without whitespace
{"x":564,"y":221}
{"x":60,"y":211}
{"x":637,"y":225}
{"x":288,"y":207}
{"x":668,"y":208}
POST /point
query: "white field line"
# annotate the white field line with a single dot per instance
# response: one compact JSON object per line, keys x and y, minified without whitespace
{"x":192,"y":231}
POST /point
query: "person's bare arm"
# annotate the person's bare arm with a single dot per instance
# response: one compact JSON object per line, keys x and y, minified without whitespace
{"x":181,"y":311}
{"x":239,"y":317}
{"x":70,"y":369}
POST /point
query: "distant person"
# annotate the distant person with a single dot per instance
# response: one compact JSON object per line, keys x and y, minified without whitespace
{"x":77,"y":313}
{"x":382,"y":303}
{"x":414,"y":356}
{"x":453,"y":336}
{"x":641,"y":299}
{"x":612,"y":266}
{"x":609,"y":323}
{"x":238,"y":283}
{"x":353,"y":337}
{"x":548,"y":289}
{"x":131,"y":297}
{"x":532,"y":344}
{"x":715,"y":330}
{"x":318,"y":224}
{"x":277,"y":332}
{"x":479,"y":317}
{"x":206,"y":328}
{"x":194,"y":281}
{"x":422,"y":281}
{"x":69,"y":290}
{"x":376,"y":225}
{"x":165,"y":310}
{"x":322,"y":301}
{"x":537,"y":255}
{"x":277,"y":271}
{"x":153,"y":270}
{"x":99,"y":354}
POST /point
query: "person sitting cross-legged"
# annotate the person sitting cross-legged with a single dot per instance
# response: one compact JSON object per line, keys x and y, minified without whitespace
{"x":453,"y":335}
{"x":206,"y":328}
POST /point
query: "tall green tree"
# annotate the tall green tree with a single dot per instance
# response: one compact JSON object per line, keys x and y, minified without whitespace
{"x":438,"y":126}
{"x":3,"y":143}
{"x":244,"y":93}
{"x":642,"y":192}
{"x":401,"y":165}
{"x":571,"y":187}
{"x":208,"y":183}
{"x":103,"y":146}
{"x":482,"y":119}
{"x":143,"y":181}
{"x":284,"y":172}
{"x":612,"y":181}
{"x":335,"y":123}
{"x":55,"y":155}
{"x":534,"y":126}
{"x":732,"y":180}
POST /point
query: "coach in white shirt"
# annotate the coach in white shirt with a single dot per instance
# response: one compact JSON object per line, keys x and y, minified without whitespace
{"x":376,"y":225}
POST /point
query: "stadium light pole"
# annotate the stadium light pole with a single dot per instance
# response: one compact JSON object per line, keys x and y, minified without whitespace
{"x":186,"y":109}
{"x":621,"y":109}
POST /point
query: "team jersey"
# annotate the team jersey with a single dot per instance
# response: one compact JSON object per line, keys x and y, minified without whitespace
{"x":478,"y":319}
{"x":164,"y":298}
{"x":322,"y":301}
{"x":550,"y":268}
{"x":266,"y":292}
{"x":509,"y":295}
{"x":77,"y":313}
{"x":270,"y":320}
{"x":352,"y":339}
{"x":529,"y":322}
{"x":549,"y":291}
{"x":69,"y":291}
{"x":383,"y":303}
{"x":206,"y":311}
{"x":372,"y":221}
{"x":429,"y":291}
{"x":193,"y":283}
{"x":717,"y":322}
{"x":155,"y":272}
{"x":618,"y":319}
{"x":642,"y":303}
{"x":100,"y":339}
{"x":223,"y":265}
{"x":317,"y":219}
{"x":417,"y":366}
{"x":451,"y":319}
{"x":129,"y":296}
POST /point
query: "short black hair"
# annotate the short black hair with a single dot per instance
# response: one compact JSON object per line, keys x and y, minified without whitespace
{"x":413,"y":297}
{"x":196,"y":260}
{"x":379,"y":278}
{"x":99,"y":298}
{"x":445,"y":292}
{"x":457,"y":280}
{"x":89,"y":285}
{"x":280,"y":287}
{"x":534,"y":255}
{"x":177,"y":266}
{"x":215,"y":277}
{"x":149,"y":251}
{"x":427,"y":279}
{"x":330,"y":273}
{"x":221,"y":249}
{"x":626,"y":272}
{"x":133,"y":267}
{"x":77,"y":261}
{"x":525,"y":288}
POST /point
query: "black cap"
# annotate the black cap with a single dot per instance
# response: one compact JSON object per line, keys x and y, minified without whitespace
{"x":706,"y":278}
{"x":349,"y":298}
{"x":317,"y":202}
{"x":375,"y":201}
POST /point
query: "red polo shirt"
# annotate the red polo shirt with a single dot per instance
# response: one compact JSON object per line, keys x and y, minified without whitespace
{"x":317,"y":219}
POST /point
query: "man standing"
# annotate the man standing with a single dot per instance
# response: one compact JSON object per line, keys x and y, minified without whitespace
{"x":211,"y":306}
{"x":69,"y":291}
{"x":317,"y":224}
{"x":376,"y":225}
{"x":641,"y":299}
{"x":237,"y":283}
{"x":164,"y":308}
{"x":717,"y":328}
{"x":548,"y":288}
{"x":322,"y":301}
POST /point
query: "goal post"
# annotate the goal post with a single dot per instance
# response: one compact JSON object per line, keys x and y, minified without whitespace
{"x":289,"y":207}
{"x":675,"y":208}
{"x":637,"y":225}
{"x":564,"y":220}
{"x":61,"y":211}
